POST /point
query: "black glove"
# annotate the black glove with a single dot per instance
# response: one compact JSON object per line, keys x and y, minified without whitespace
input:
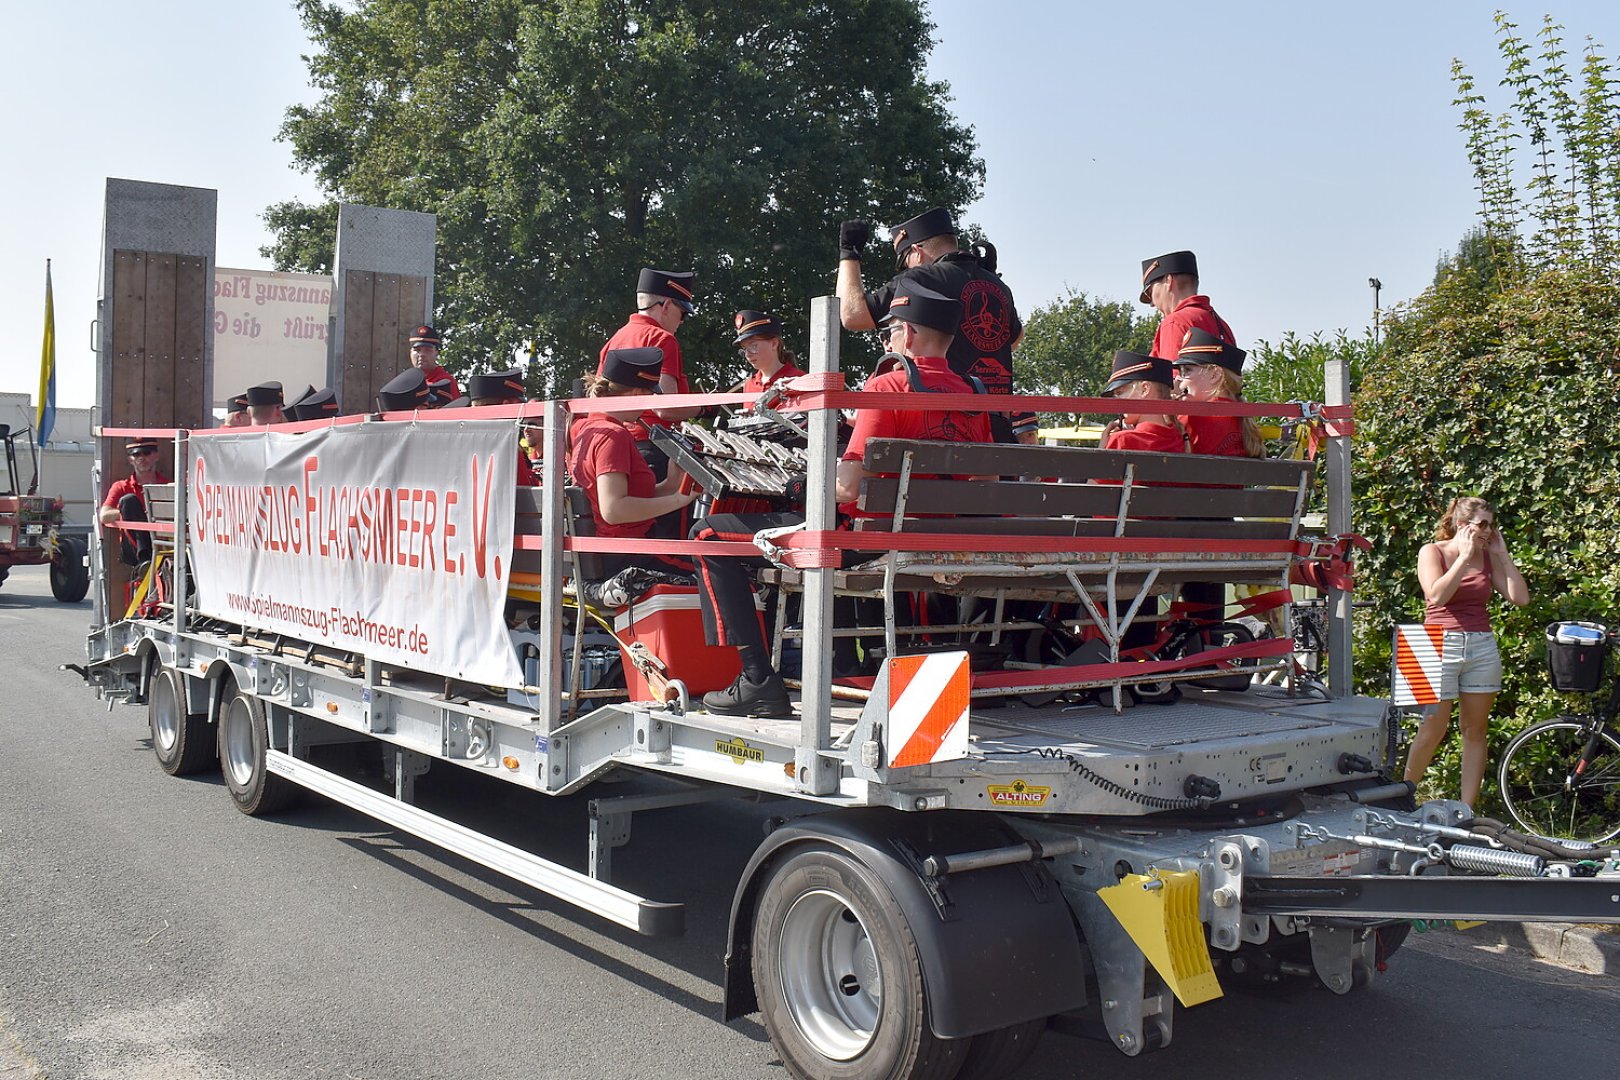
{"x":852,"y":236}
{"x":795,"y":486}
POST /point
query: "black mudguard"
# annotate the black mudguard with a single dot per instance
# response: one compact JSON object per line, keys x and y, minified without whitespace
{"x":998,"y":946}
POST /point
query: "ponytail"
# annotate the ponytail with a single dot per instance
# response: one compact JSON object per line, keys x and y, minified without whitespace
{"x":602,"y":386}
{"x":1229,"y":384}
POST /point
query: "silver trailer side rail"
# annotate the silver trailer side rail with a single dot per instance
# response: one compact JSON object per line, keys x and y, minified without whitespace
{"x":627,"y":909}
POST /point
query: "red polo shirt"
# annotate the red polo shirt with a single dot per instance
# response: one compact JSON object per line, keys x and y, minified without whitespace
{"x":643,"y":331}
{"x":600,"y":445}
{"x":1191,"y":312}
{"x":757,"y":383}
{"x":1160,"y":438}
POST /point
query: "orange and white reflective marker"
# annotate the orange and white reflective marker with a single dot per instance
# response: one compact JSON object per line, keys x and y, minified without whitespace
{"x":1416,"y":678}
{"x":927,"y":719}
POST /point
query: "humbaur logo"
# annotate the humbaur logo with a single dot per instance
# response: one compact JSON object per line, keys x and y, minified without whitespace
{"x":739,"y":751}
{"x":1018,"y":794}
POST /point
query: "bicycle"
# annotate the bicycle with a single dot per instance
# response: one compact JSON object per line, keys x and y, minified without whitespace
{"x":1560,"y":779}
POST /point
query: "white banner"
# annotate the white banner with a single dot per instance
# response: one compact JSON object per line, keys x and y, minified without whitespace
{"x":391,"y":540}
{"x":269,"y":325}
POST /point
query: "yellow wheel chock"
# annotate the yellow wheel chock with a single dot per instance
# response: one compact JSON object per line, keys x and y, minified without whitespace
{"x":1160,"y":913}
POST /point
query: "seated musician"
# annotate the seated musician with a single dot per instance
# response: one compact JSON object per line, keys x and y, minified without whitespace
{"x":927,"y":322}
{"x":1209,"y":368}
{"x":759,"y":338}
{"x":603,"y":460}
{"x":1148,"y":379}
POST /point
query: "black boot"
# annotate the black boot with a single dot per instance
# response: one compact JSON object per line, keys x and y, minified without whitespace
{"x":745,"y":697}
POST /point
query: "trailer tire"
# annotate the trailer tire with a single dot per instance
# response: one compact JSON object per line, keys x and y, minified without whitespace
{"x":70,"y":577}
{"x":180,"y":738}
{"x":244,"y":744}
{"x":838,"y":976}
{"x":1002,"y":1052}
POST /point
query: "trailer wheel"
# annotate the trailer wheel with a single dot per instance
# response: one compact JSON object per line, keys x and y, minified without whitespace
{"x":180,"y":738}
{"x":839,"y":981}
{"x":1001,"y":1053}
{"x":244,"y":742}
{"x":70,"y":577}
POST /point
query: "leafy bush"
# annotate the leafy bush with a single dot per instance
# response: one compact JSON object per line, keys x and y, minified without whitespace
{"x":1069,"y":344}
{"x":1500,"y":380}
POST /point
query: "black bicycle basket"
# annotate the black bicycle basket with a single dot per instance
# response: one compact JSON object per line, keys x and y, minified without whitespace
{"x":1575,"y":653}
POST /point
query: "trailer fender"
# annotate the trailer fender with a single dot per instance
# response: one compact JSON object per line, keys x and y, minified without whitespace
{"x":998,"y":946}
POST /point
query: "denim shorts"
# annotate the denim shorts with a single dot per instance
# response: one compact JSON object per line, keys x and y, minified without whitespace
{"x":1469,"y":664}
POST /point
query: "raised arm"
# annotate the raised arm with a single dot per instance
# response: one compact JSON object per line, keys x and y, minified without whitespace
{"x":1505,"y":576}
{"x":852,"y":309}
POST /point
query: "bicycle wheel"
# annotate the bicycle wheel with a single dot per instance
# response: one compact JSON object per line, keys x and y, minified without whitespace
{"x":1544,"y":795}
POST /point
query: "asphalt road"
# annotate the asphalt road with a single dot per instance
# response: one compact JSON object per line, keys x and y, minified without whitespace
{"x":148,"y":931}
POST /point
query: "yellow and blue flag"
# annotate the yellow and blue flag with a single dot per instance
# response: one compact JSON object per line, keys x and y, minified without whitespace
{"x":45,"y":409}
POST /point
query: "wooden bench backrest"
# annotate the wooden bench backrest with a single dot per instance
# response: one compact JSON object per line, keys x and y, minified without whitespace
{"x":1076,"y":491}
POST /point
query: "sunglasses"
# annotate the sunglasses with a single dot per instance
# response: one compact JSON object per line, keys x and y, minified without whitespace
{"x":662,"y":303}
{"x":143,"y":451}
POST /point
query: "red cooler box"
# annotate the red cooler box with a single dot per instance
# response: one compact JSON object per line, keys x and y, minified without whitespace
{"x":668,"y":621}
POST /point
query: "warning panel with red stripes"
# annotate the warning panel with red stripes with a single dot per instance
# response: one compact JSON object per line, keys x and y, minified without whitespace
{"x":1416,"y":678}
{"x":927,"y":718}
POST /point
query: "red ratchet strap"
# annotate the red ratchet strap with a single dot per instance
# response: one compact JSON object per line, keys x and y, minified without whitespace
{"x":295,"y":426}
{"x":645,"y":546}
{"x":1247,"y":606}
{"x":1339,"y":421}
{"x":1087,"y":673}
{"x":1325,"y":564}
{"x":1251,"y":606}
{"x":1073,"y":676}
{"x":579,"y":406}
{"x":820,"y":550}
{"x":826,"y":391}
{"x":162,"y":528}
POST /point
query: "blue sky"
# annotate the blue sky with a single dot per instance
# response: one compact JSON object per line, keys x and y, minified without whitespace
{"x":1298,"y":148}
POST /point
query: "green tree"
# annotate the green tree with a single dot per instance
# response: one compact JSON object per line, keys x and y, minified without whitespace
{"x":565,"y":143}
{"x":1069,"y":344}
{"x":1500,"y":380}
{"x":1292,"y":369}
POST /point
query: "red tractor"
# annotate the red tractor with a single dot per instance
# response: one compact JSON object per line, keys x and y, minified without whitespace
{"x":31,"y":530}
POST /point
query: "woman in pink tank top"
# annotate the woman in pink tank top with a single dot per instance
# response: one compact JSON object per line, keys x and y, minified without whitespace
{"x":1467,"y":563}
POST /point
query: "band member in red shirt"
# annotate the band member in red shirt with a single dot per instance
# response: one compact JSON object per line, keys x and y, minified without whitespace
{"x":927,"y":322}
{"x":928,"y":255}
{"x":1147,"y":379}
{"x":603,"y":460}
{"x":126,"y":499}
{"x":759,"y":338}
{"x":425,"y":342}
{"x":1209,"y":368}
{"x":664,"y":298}
{"x":1170,"y":285}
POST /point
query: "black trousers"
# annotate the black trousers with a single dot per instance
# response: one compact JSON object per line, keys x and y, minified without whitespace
{"x":134,"y":548}
{"x":725,"y":585}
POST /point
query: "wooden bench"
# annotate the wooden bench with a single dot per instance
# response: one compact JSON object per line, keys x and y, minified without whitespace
{"x":1142,"y":523}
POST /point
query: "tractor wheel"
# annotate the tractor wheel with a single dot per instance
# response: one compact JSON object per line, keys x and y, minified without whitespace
{"x":70,"y":577}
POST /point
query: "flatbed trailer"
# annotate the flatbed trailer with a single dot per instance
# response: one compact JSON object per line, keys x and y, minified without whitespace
{"x":1082,"y":861}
